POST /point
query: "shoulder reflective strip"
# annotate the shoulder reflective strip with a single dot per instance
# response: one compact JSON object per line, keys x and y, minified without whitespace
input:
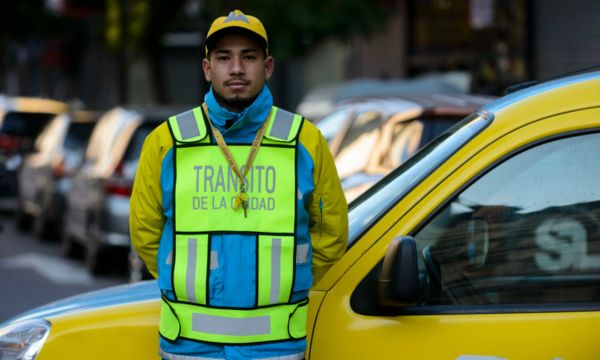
{"x":214,"y":260}
{"x":282,"y":123}
{"x":165,"y":355}
{"x":301,"y":253}
{"x":188,"y":128}
{"x":191,"y":268}
{"x":298,"y":356}
{"x":220,"y":325}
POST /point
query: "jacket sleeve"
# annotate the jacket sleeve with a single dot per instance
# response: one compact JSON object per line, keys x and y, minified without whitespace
{"x":329,"y":210}
{"x":146,"y":218}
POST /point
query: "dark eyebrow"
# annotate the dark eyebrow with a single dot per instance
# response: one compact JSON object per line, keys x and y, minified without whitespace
{"x":228,"y":52}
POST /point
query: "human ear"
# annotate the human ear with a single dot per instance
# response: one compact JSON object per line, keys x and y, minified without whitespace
{"x":206,"y":69}
{"x":269,"y":67}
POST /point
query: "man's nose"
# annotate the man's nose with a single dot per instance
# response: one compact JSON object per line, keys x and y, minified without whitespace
{"x":236,"y":66}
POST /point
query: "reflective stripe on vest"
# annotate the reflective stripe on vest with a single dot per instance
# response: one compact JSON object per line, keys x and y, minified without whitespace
{"x":191,"y":269}
{"x":233,"y":326}
{"x":203,"y":194}
{"x":188,"y":127}
{"x":284,"y":125}
{"x":276,"y":265}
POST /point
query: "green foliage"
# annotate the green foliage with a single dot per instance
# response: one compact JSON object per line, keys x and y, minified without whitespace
{"x":126,"y":23}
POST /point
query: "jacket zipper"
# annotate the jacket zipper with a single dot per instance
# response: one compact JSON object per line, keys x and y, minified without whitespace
{"x":321,"y":215}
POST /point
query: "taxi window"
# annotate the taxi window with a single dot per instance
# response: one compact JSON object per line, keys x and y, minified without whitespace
{"x":525,"y":233}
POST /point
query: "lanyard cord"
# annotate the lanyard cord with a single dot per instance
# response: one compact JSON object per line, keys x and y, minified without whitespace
{"x":241,"y":198}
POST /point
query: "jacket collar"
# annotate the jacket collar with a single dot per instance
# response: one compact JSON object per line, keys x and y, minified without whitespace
{"x":245,"y":123}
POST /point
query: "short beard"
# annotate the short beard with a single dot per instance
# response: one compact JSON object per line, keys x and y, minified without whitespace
{"x":237,"y":103}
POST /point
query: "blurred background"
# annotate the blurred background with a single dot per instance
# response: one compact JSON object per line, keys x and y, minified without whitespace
{"x":110,"y":52}
{"x":82,"y":82}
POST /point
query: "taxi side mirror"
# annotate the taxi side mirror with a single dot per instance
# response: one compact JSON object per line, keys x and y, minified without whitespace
{"x":399,"y":279}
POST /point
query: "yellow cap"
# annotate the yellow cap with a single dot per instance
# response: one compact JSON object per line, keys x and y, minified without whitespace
{"x":237,"y":19}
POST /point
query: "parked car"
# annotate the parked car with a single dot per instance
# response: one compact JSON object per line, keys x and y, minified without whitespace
{"x":369,"y":137}
{"x":483,"y":245}
{"x":45,"y":176}
{"x":22,"y":119}
{"x":97,"y":216}
{"x":322,"y":100}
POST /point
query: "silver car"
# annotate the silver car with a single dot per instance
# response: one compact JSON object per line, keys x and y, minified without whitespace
{"x":97,"y":216}
{"x":45,"y":176}
{"x":369,"y":137}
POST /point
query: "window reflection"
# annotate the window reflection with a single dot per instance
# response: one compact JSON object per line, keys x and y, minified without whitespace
{"x":528,"y":232}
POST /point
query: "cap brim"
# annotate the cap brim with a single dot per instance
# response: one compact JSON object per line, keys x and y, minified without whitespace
{"x":212,"y":40}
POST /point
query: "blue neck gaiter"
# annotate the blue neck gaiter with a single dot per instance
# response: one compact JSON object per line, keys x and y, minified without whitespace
{"x":245,"y":124}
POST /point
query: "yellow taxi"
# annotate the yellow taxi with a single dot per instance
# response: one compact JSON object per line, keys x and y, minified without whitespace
{"x":483,"y":246}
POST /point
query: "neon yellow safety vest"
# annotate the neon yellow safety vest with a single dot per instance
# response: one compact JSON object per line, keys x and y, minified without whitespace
{"x":204,"y":191}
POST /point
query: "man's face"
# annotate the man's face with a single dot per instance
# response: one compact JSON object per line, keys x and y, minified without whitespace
{"x":237,"y":69}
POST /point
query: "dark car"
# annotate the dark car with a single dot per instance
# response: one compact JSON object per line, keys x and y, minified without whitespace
{"x":45,"y":177}
{"x":97,"y":216}
{"x":21,"y":121}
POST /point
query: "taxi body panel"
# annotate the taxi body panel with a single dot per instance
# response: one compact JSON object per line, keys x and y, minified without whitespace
{"x":102,"y":333}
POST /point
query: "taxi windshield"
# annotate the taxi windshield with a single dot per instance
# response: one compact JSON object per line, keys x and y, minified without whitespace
{"x":374,"y":203}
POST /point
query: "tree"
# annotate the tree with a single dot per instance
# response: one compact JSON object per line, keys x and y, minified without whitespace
{"x":295,"y":26}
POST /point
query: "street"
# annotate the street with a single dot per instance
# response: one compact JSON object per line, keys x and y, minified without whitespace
{"x":33,"y":272}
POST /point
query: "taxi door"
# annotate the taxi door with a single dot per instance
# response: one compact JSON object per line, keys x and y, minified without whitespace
{"x":507,"y":234}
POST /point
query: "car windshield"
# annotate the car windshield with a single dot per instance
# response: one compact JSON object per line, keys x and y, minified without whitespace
{"x":331,"y":124}
{"x":24,"y":124}
{"x":78,"y":135}
{"x":134,"y":148}
{"x":362,"y":136}
{"x":375,"y":202}
{"x":407,"y":137}
{"x":135,"y":144}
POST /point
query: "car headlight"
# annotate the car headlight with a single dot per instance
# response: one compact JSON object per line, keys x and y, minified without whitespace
{"x":23,"y":340}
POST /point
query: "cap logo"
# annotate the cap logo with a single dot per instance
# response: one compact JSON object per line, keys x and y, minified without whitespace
{"x":233,"y":17}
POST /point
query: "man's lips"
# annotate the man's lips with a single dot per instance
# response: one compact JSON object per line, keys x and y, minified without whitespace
{"x":236,"y":84}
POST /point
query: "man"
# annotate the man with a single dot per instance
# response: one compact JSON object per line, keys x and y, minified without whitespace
{"x":233,"y":202}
